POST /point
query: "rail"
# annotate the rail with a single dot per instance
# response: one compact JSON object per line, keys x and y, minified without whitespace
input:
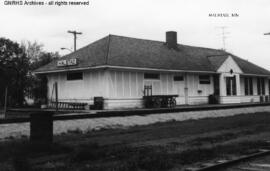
{"x":230,"y":163}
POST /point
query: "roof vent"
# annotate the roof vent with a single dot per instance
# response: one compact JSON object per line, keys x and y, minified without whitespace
{"x":171,"y":39}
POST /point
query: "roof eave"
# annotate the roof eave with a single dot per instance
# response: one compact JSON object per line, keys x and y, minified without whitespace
{"x":140,"y":69}
{"x":122,"y":67}
{"x":259,"y":75}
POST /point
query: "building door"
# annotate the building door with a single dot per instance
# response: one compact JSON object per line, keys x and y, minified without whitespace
{"x":178,"y":86}
{"x":216,"y":84}
{"x":231,"y":86}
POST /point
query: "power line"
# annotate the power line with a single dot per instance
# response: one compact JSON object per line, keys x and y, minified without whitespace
{"x":75,"y":37}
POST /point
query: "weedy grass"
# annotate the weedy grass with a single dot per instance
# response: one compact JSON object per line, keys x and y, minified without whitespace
{"x":23,"y":148}
{"x":197,"y":154}
{"x":195,"y":141}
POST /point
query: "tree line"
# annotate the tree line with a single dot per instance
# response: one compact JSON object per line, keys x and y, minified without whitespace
{"x":17,"y":63}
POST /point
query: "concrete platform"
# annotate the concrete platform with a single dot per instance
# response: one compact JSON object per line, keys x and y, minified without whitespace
{"x":110,"y":120}
{"x":81,"y":114}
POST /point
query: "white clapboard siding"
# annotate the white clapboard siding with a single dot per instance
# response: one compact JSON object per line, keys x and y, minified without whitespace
{"x":93,"y":84}
{"x":124,"y":88}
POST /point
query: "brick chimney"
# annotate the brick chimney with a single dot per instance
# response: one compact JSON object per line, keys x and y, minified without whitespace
{"x":171,"y":39}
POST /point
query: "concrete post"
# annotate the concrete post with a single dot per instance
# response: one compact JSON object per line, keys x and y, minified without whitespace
{"x":41,"y":127}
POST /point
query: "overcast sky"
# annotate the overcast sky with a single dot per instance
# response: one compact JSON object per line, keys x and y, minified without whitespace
{"x":147,"y":19}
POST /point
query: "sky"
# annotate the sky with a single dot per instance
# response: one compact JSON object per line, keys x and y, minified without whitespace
{"x":147,"y":19}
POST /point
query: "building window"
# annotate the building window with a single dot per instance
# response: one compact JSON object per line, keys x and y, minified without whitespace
{"x":231,"y":86}
{"x":248,"y":86}
{"x":151,"y":76}
{"x":260,"y":86}
{"x":178,"y":78}
{"x":269,"y":86}
{"x":74,"y":76}
{"x":204,"y":79}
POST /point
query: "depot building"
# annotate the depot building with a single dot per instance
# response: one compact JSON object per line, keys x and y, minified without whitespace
{"x":117,"y":68}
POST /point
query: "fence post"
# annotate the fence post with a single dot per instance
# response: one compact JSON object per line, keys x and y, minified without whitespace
{"x":5,"y":105}
{"x":41,"y":127}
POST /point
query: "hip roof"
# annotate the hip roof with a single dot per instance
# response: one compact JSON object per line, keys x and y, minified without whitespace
{"x":122,"y":51}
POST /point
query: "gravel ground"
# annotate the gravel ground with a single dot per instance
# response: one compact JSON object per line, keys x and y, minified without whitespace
{"x":8,"y":131}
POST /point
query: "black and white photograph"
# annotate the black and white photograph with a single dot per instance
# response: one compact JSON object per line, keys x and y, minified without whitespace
{"x":134,"y":85}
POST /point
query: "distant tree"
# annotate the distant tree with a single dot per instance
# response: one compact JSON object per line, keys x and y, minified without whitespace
{"x":14,"y":67}
{"x":17,"y":63}
{"x":33,"y":50}
{"x":37,"y":84}
{"x":44,"y":58}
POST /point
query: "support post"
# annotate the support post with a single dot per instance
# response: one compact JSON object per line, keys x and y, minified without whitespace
{"x":56,"y":96}
{"x":41,"y":127}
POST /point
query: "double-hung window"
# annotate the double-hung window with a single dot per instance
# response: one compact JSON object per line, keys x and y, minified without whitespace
{"x":178,"y":78}
{"x":248,"y":85}
{"x":260,"y":86}
{"x":204,"y":79}
{"x":74,"y":76}
{"x":151,"y":76}
{"x":231,"y":86}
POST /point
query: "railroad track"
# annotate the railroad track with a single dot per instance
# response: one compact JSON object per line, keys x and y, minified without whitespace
{"x":259,"y":161}
{"x":258,"y":164}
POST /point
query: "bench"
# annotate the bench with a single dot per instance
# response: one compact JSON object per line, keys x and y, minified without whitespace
{"x":68,"y":105}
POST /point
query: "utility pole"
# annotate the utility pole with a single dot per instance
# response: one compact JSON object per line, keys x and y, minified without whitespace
{"x":5,"y":105}
{"x":75,"y":37}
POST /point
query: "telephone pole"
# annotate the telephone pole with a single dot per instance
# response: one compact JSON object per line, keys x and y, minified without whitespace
{"x":75,"y":37}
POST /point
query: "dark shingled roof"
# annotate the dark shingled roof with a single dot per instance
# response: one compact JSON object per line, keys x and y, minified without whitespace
{"x":217,"y":60}
{"x":131,"y":52}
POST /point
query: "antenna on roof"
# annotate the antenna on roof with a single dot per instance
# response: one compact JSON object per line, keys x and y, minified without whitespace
{"x":224,"y":37}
